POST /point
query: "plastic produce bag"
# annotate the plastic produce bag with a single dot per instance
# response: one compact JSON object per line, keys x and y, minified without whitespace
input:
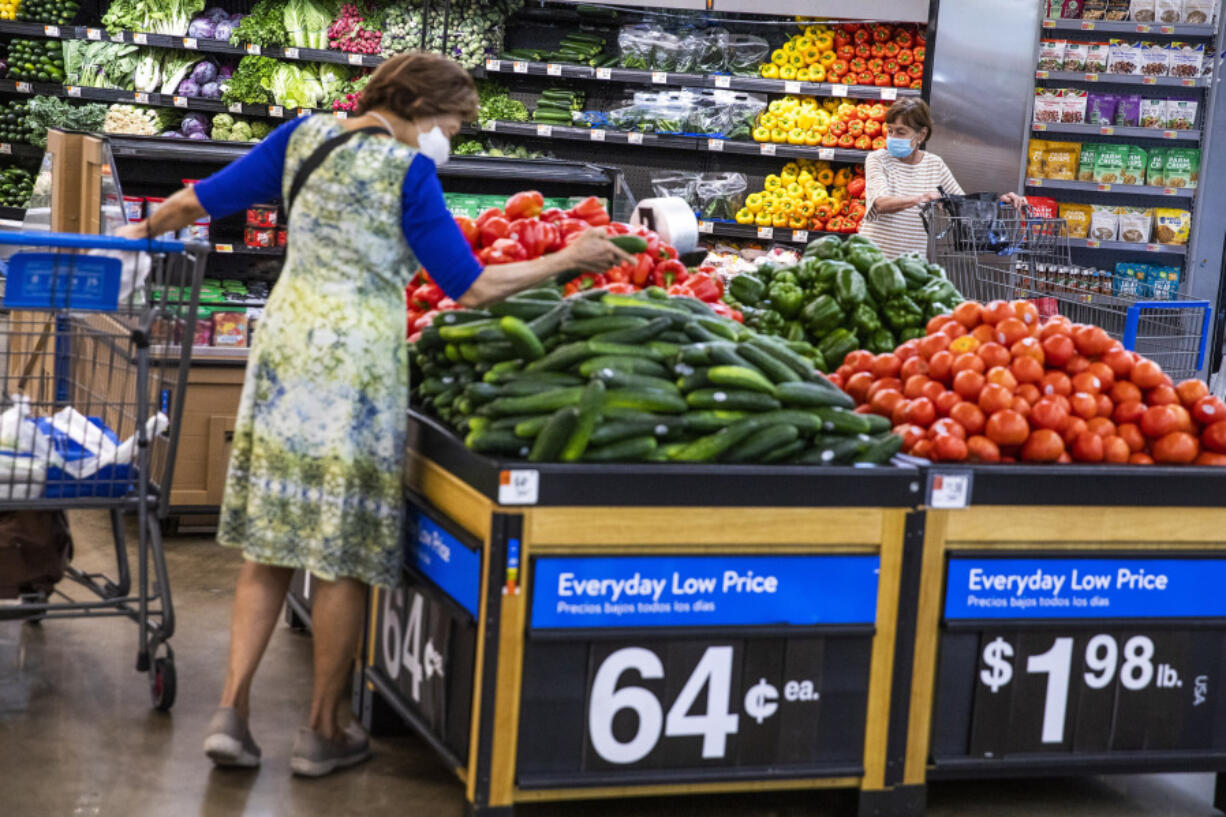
{"x":689,"y":51}
{"x":637,"y":44}
{"x":743,"y":112}
{"x":672,"y":114}
{"x":679,"y":184}
{"x":720,"y":195}
{"x":710,"y":115}
{"x":628,"y":118}
{"x":713,"y":56}
{"x":666,"y":52}
{"x":745,"y":53}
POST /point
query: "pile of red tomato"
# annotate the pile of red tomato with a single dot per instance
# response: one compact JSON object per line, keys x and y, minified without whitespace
{"x":994,"y":383}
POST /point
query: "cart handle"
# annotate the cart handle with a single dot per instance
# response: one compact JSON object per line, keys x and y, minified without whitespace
{"x":1134,"y":316}
{"x":78,"y":241}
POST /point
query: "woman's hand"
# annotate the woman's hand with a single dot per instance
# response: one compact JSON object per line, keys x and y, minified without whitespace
{"x":135,"y":230}
{"x":1017,"y":202}
{"x":593,"y":252}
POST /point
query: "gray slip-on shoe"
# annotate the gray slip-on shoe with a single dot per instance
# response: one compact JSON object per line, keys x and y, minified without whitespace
{"x":229,"y":741}
{"x":315,"y":756}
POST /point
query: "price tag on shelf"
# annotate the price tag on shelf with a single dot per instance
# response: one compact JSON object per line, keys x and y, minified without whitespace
{"x":1091,"y":77}
{"x":1107,"y":130}
{"x":117,"y":38}
{"x":1041,"y":74}
{"x":634,"y":138}
{"x":1170,"y":134}
{"x":291,"y":53}
{"x":838,"y":90}
{"x":723,"y":82}
{"x":140,"y":39}
{"x":544,"y":130}
{"x":949,"y":491}
{"x":519,"y":487}
{"x":1093,"y":243}
{"x":25,"y":88}
{"x":553,"y":69}
{"x":355,"y":59}
{"x":276,"y":111}
{"x":800,"y":236}
{"x":6,"y":148}
{"x":489,"y":126}
{"x":93,"y":34}
{"x":51,"y":31}
{"x":1170,"y":191}
{"x":766,"y":233}
{"x":1167,"y":29}
{"x":716,"y":145}
{"x":235,"y":107}
{"x":1104,"y":188}
{"x":1040,"y":126}
{"x":889,"y":93}
{"x":1188,"y":83}
{"x":596,"y":135}
{"x":659,"y":77}
{"x":1087,"y":25}
{"x":767,"y":149}
{"x":1049,"y":24}
{"x":1142,"y":28}
{"x":1149,"y":80}
{"x":825,"y":154}
{"x":341,"y":114}
{"x":141,"y":97}
{"x":1153,"y":248}
{"x":604,"y":73}
{"x":191,"y":43}
{"x":519,"y":67}
{"x":223,"y":248}
{"x":180,"y":102}
{"x":791,"y":87}
{"x":305,"y":112}
{"x":72,"y":90}
{"x":1032,"y":182}
{"x":706,"y":227}
{"x":254,"y":49}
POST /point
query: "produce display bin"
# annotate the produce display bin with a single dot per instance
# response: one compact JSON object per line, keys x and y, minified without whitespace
{"x":570,"y":631}
{"x":1070,"y":621}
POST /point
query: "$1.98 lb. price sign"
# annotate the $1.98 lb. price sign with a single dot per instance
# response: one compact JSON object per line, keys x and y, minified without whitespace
{"x":1090,"y":683}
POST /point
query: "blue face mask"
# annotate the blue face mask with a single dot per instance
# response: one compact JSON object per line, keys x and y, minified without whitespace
{"x":899,"y":148}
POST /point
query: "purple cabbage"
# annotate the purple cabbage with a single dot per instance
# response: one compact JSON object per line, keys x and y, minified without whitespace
{"x":225,"y":72}
{"x":210,"y":90}
{"x":199,"y":135}
{"x":237,"y":17}
{"x":201,"y":28}
{"x":171,"y":134}
{"x":217,"y":14}
{"x":189,"y":88}
{"x":224,"y":29}
{"x":205,"y":71}
{"x":194,"y":123}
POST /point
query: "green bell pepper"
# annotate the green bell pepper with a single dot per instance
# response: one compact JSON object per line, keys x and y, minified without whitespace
{"x":787,"y":275}
{"x":794,"y":331}
{"x":855,"y":239}
{"x":819,"y":361}
{"x":837,"y":345}
{"x":903,"y":313}
{"x":882,"y":341}
{"x":866,"y":320}
{"x":769,"y":322}
{"x":826,"y":247}
{"x":747,"y":289}
{"x":850,"y":288}
{"x":827,"y":274}
{"x":765,"y":271}
{"x":863,"y":256}
{"x":913,"y":270}
{"x":806,"y":273}
{"x":937,"y":308}
{"x":885,"y":280}
{"x":822,"y":315}
{"x":939,"y":289}
{"x":786,"y":298}
{"x":911,"y":333}
{"x":935,"y":271}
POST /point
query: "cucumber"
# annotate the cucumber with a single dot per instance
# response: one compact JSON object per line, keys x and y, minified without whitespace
{"x":586,"y":308}
{"x":525,"y":386}
{"x":590,"y":407}
{"x":510,"y":422}
{"x":784,"y":355}
{"x":806,"y":422}
{"x":526,"y":343}
{"x":842,"y":421}
{"x":698,"y":379}
{"x":734,"y":399}
{"x":629,"y":365}
{"x":545,"y":325}
{"x":540,"y":292}
{"x":555,"y":379}
{"x":701,"y":334}
{"x":526,"y":309}
{"x":462,"y":332}
{"x":635,"y":424}
{"x":811,"y":395}
{"x":785,"y":453}
{"x":429,"y":338}
{"x":560,"y":358}
{"x":536,"y":403}
{"x":642,"y":333}
{"x":832,"y":451}
{"x":728,"y":356}
{"x":554,"y":435}
{"x":490,"y":351}
{"x":757,"y":445}
{"x":632,"y":244}
{"x":434,"y":385}
{"x":878,"y":424}
{"x":615,"y":379}
{"x":739,"y":377}
{"x":707,"y":448}
{"x":693,"y":305}
{"x":666,"y":351}
{"x":481,"y":393}
{"x":699,"y":354}
{"x":505,"y":367}
{"x":454,"y":317}
{"x":707,"y":422}
{"x":777,"y":371}
{"x":474,"y":423}
{"x":717,"y":327}
{"x":452,"y":353}
{"x":631,"y":449}
{"x":532,"y":427}
{"x":587,"y":327}
{"x":674,"y":336}
{"x":501,"y":441}
{"x":596,"y":348}
{"x":880,"y":451}
{"x":645,"y":400}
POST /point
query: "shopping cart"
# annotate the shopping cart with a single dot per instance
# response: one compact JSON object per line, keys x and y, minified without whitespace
{"x":95,"y":344}
{"x":1001,"y":253}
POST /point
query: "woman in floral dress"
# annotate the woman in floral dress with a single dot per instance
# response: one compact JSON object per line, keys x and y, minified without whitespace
{"x":316,"y":472}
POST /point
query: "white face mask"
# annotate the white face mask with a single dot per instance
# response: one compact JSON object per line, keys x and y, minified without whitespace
{"x":435,"y":144}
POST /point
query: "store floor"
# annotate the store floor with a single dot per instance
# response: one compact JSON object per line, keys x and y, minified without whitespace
{"x":77,"y":736}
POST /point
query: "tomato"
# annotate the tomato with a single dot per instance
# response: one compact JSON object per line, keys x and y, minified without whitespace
{"x":844,"y":372}
{"x":1120,"y":362}
{"x":1183,"y":420}
{"x":913,"y":387}
{"x":994,"y":398}
{"x":1116,"y":450}
{"x":995,"y":312}
{"x":1158,"y":421}
{"x":913,"y":366}
{"x":886,"y":365}
{"x":968,"y":360}
{"x":935,"y":323}
{"x":994,"y":354}
{"x":1162,"y":396}
{"x":922,"y":449}
{"x":1087,"y":382}
{"x":1209,"y":410}
{"x":1056,"y":325}
{"x":948,"y":448}
{"x":968,"y":384}
{"x":920,"y":412}
{"x":860,"y":360}
{"x":1074,"y":429}
{"x":1027,"y":370}
{"x":1131,"y":434}
{"x":1091,"y":341}
{"x":1021,"y":407}
{"x":946,"y":401}
{"x":947,"y":425}
{"x":885,"y":384}
{"x":910,"y":435}
{"x":969,"y":416}
{"x":858,"y":384}
{"x":1077,"y":364}
{"x":1106,"y":406}
{"x":1007,"y":428}
{"x":941,"y":366}
{"x":1002,"y":377}
{"x":953,"y":330}
{"x":932,"y":344}
{"x":1029,"y":392}
{"x":1178,"y":447}
{"x":885,"y":401}
{"x":1028,"y":347}
{"x":1140,"y":458}
{"x":1130,"y":412}
{"x":1088,"y":447}
{"x":1043,"y":445}
{"x":1049,"y":413}
{"x":1105,"y":376}
{"x":908,"y":350}
{"x":981,"y":449}
{"x":1125,"y":392}
{"x":1010,"y":331}
{"x":899,"y":416}
{"x":984,"y":333}
{"x":933,"y":391}
{"x":1058,"y":349}
{"x":1085,"y":405}
{"x":969,"y":314}
{"x":1190,"y":391}
{"x":1207,"y":458}
{"x":1147,"y":374}
{"x":835,"y":379}
{"x":1026,"y":312}
{"x":1057,"y":383}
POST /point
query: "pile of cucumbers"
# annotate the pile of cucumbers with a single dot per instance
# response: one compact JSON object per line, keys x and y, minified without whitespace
{"x":36,"y":60}
{"x":556,"y":105}
{"x":603,"y":377}
{"x":575,"y":48}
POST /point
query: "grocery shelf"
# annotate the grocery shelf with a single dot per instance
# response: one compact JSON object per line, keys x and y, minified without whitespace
{"x":1089,"y":485}
{"x":728,"y":229}
{"x":1125,"y":246}
{"x":1130,"y":27}
{"x":161,"y":147}
{"x":13,"y":213}
{"x":641,"y":77}
{"x":20,"y":149}
{"x":1123,"y":79}
{"x":1120,"y":189}
{"x":243,"y":249}
{"x":1114,"y":130}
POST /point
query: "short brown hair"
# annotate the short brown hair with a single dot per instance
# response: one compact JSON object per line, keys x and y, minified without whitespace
{"x":419,"y":85}
{"x":912,"y":112}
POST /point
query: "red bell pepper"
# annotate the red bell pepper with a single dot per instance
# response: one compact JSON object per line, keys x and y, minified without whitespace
{"x":527,"y":204}
{"x":905,"y":57}
{"x":916,"y":70}
{"x":553,"y":215}
{"x":621,"y":289}
{"x":487,"y":215}
{"x":670,"y":272}
{"x":855,"y":188}
{"x":536,"y":236}
{"x":892,"y":50}
{"x":846,"y":51}
{"x":469,"y":229}
{"x":641,"y":274}
{"x":878,"y":51}
{"x":723,"y":310}
{"x":505,"y":251}
{"x":494,"y":228}
{"x":591,"y":211}
{"x":882,"y":34}
{"x":863,"y":52}
{"x":428,"y":294}
{"x":918,"y":52}
{"x":904,"y":38}
{"x":882,"y":80}
{"x":863,"y":35}
{"x":704,"y":287}
{"x":864,"y":142}
{"x":902,"y":80}
{"x":617,"y":228}
{"x":568,"y":226}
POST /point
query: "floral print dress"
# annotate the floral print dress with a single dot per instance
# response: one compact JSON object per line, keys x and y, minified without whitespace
{"x":315,"y":478}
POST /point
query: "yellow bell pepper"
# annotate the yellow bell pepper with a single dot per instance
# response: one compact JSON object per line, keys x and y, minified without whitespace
{"x":786,"y":206}
{"x":763,"y":219}
{"x":777,"y":106}
{"x":824,"y":42}
{"x":806,"y":121}
{"x":813,"y":138}
{"x":796,"y":136}
{"x":754,"y":203}
{"x":798,"y":222}
{"x":789,"y":47}
{"x":827,"y":59}
{"x":772,"y":182}
{"x":806,"y":208}
{"x":795,"y":191}
{"x":818,"y":195}
{"x":744,"y":216}
{"x":817,"y":73}
{"x":779,"y":56}
{"x":803,"y":75}
{"x":790,"y":169}
{"x":762,"y":134}
{"x":804,"y":178}
{"x":804,"y":164}
{"x":779,"y":136}
{"x":825,"y":176}
{"x":843,"y":177}
{"x":780,"y":220}
{"x":797,"y":60}
{"x":830,"y":105}
{"x":808,"y":103}
{"x":769,"y":71}
{"x":787,"y":72}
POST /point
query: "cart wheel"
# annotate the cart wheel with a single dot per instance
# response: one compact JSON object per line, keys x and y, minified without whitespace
{"x":162,"y":684}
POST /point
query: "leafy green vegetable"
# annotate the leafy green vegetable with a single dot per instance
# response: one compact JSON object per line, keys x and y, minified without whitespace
{"x":296,"y":86}
{"x":175,"y":69}
{"x":307,"y":22}
{"x":153,"y":16}
{"x":52,"y":112}
{"x":252,"y":82}
{"x":265,"y":25}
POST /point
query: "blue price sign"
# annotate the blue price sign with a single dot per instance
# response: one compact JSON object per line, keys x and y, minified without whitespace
{"x":48,"y":280}
{"x":446,"y":561}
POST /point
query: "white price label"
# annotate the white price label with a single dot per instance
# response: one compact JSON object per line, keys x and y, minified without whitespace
{"x":604,"y":73}
{"x":519,"y":67}
{"x":223,"y":248}
{"x":489,"y":126}
{"x":355,"y":59}
{"x":1170,"y":191}
{"x":716,"y":145}
{"x":634,"y":138}
{"x":51,"y":31}
{"x":493,"y":65}
{"x":235,"y":107}
{"x":72,"y":90}
{"x":800,"y":236}
{"x":949,"y":490}
{"x":291,"y":53}
{"x":596,"y":135}
{"x":838,"y":90}
{"x":519,"y":486}
{"x":544,"y":130}
{"x":767,"y":149}
{"x":141,"y":97}
{"x":25,"y":88}
{"x":6,"y":148}
{"x":341,"y":114}
{"x":140,"y":39}
{"x":254,"y":49}
{"x":276,"y":110}
{"x":706,"y":227}
{"x":180,"y":102}
{"x":825,"y":154}
{"x":553,"y":69}
{"x":889,"y":94}
{"x":305,"y":112}
{"x":117,"y":38}
{"x":766,"y":233}
{"x":191,"y":44}
{"x":791,"y":87}
{"x":93,"y":34}
{"x":723,"y":82}
{"x":659,"y":77}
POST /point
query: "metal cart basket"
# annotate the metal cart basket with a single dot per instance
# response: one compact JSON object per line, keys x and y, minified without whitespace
{"x":95,"y":344}
{"x":1002,"y":253}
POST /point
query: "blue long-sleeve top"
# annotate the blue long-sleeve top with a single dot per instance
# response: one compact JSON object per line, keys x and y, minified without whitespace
{"x":428,"y":227}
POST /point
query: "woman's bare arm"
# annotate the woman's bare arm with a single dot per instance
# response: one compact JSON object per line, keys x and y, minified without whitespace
{"x":177,"y":212}
{"x":591,"y":252}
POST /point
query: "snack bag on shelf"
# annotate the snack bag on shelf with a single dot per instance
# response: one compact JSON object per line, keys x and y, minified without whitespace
{"x":1100,"y":108}
{"x":1104,"y":223}
{"x":1077,"y":219}
{"x":1155,"y":173}
{"x":1125,"y":58}
{"x":1075,"y":54}
{"x":1141,"y":11}
{"x":1060,"y":161}
{"x":1136,"y":224}
{"x":1163,"y":282}
{"x":1187,"y":60}
{"x":1199,"y":12}
{"x":1098,"y":58}
{"x":1035,"y":154}
{"x":1085,"y":166}
{"x":1181,"y":114}
{"x":1181,"y":167}
{"x":1073,"y":106}
{"x":1153,"y":113}
{"x":1129,"y":280}
{"x":1117,"y":10}
{"x":1135,"y":165}
{"x":1168,"y":11}
{"x":1094,"y":10}
{"x":1051,"y":55}
{"x":1155,"y":59}
{"x":1128,"y":111}
{"x":1048,"y":106}
{"x":1109,"y":165}
{"x":1173,"y":225}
